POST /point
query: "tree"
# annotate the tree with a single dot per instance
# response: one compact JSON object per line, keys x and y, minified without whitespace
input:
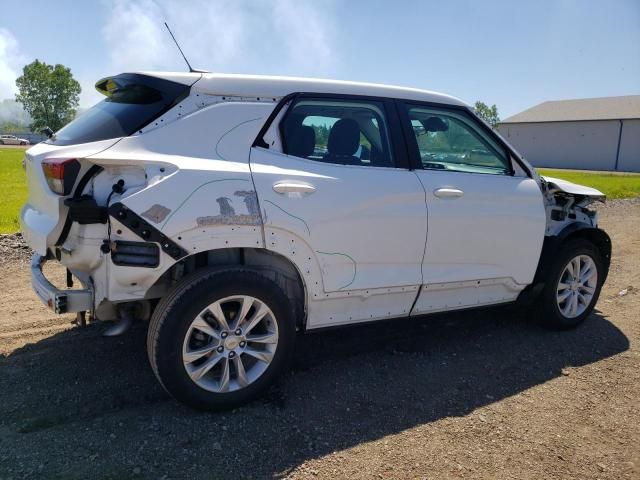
{"x":49,"y":93}
{"x":12,"y":127}
{"x":488,"y":113}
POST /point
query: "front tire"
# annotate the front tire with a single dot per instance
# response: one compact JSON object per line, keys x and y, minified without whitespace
{"x":573,"y":286}
{"x":221,"y":337}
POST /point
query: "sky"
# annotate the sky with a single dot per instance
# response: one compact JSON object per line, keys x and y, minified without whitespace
{"x":511,"y":53}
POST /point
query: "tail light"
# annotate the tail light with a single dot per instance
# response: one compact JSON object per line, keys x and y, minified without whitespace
{"x":61,"y":174}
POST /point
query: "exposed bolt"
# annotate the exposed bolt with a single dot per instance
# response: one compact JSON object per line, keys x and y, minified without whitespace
{"x":242,"y":344}
{"x":232,"y":354}
{"x":220,"y":349}
{"x":224,"y":335}
{"x":238,"y":332}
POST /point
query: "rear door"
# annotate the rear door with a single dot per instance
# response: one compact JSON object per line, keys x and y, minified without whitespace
{"x":336,"y":188}
{"x":486,"y":222}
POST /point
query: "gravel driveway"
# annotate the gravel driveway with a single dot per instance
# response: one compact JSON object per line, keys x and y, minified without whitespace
{"x":482,"y":394}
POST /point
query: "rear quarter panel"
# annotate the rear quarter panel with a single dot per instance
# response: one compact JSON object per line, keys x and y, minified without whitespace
{"x":199,"y":191}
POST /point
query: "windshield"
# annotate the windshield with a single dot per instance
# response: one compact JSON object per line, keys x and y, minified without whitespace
{"x":132,"y":101}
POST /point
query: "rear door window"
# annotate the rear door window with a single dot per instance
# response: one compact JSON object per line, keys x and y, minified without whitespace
{"x":132,"y":102}
{"x":339,"y":131}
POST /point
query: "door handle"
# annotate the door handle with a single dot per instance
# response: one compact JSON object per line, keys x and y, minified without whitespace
{"x":448,"y":193}
{"x":293,"y":187}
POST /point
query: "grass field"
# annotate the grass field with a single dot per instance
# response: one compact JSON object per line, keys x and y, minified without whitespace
{"x":13,"y":187}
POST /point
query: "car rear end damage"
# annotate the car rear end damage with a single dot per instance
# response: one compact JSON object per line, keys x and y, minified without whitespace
{"x":111,"y":209}
{"x":60,"y":301}
{"x":44,"y":213}
{"x":65,"y":216}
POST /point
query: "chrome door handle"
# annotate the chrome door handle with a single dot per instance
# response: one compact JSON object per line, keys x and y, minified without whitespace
{"x":448,"y":193}
{"x":293,"y":187}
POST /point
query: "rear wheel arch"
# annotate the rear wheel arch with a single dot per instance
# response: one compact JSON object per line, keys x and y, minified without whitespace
{"x":271,"y":265}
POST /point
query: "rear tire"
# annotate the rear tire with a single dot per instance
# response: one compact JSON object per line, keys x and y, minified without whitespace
{"x":572,"y":287}
{"x":219,"y":338}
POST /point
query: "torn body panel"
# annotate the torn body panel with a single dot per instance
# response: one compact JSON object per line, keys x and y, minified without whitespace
{"x":558,"y":185}
{"x":199,"y":195}
{"x":567,"y":203}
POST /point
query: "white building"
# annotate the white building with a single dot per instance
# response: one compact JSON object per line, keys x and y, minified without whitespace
{"x":590,"y":134}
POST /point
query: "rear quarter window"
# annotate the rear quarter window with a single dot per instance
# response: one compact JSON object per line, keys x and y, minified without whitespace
{"x":132,"y":102}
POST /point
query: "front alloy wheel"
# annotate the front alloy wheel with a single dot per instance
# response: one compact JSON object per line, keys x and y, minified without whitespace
{"x":577,"y":286}
{"x":572,"y":286}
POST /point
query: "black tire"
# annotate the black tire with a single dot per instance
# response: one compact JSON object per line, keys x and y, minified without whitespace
{"x":173,"y":316}
{"x":548,"y":311}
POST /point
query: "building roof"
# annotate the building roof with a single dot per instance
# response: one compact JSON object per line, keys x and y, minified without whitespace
{"x":603,"y":108}
{"x":276,"y":87}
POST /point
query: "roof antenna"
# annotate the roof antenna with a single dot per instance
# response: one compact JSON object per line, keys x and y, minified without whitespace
{"x":191,"y":69}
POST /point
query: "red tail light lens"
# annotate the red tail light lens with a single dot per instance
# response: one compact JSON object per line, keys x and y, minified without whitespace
{"x":61,"y":174}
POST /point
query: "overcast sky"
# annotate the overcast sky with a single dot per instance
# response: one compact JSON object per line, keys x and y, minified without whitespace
{"x":515,"y":54}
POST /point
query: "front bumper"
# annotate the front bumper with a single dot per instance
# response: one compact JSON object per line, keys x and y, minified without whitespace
{"x":60,"y":301}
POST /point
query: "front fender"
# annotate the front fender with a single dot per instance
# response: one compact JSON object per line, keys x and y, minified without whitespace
{"x":552,"y":245}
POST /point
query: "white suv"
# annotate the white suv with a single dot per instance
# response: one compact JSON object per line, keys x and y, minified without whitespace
{"x":234,"y":211}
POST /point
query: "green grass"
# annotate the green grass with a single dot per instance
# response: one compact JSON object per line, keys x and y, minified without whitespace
{"x":13,"y":188}
{"x":613,"y":185}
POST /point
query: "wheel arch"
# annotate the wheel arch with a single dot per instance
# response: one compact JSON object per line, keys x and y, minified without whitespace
{"x":573,"y":231}
{"x":274,"y":266}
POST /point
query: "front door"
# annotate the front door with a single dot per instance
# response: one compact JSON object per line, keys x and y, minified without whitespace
{"x":486,"y":222}
{"x":335,"y":192}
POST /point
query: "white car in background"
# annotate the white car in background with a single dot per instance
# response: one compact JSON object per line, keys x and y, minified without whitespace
{"x":234,"y":211}
{"x":12,"y":140}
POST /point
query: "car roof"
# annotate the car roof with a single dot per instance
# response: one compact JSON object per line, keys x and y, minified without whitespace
{"x":277,"y":87}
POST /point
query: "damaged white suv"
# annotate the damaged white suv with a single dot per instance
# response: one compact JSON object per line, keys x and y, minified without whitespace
{"x":233,"y":211}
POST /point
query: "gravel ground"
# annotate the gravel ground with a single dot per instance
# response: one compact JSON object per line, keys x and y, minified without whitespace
{"x":482,"y":394}
{"x":13,"y":249}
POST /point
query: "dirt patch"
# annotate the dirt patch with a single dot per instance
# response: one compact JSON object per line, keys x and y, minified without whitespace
{"x":13,"y":249}
{"x":482,"y":394}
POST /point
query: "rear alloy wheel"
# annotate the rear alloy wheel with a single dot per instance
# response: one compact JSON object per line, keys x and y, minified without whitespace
{"x":573,"y":285}
{"x":219,"y":338}
{"x":230,"y":344}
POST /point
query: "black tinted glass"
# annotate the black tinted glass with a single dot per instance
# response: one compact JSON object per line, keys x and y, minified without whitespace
{"x":132,"y":102}
{"x":339,"y":131}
